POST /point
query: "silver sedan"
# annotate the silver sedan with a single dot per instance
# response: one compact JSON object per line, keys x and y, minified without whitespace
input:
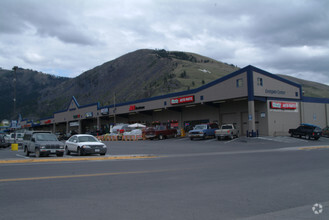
{"x":83,"y":144}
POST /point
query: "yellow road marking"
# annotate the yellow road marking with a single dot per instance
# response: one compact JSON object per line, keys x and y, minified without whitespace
{"x":313,"y":147}
{"x":83,"y":175}
{"x":74,"y":159}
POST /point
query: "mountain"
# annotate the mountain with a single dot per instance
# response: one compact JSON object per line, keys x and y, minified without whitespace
{"x":311,"y":89}
{"x":30,"y":85}
{"x":136,"y":75}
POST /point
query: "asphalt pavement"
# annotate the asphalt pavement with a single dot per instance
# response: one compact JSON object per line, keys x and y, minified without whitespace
{"x":259,"y":178}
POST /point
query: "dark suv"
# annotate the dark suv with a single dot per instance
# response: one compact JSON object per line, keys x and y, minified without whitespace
{"x":42,"y":143}
{"x":306,"y":130}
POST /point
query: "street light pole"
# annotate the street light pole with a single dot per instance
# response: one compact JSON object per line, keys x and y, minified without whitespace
{"x":15,"y":78}
{"x":114,"y":110}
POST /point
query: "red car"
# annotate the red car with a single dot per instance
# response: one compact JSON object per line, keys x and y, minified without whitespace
{"x":160,"y":132}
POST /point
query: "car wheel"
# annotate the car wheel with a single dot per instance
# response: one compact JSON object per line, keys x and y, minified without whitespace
{"x":59,"y":154}
{"x":316,"y":138}
{"x":308,"y":137}
{"x":102,"y":154}
{"x":37,"y":152}
{"x":231,"y":137}
{"x":26,"y":151}
{"x":218,"y":138}
{"x":67,"y":152}
{"x":191,"y":138}
{"x":80,"y":153}
{"x":175,"y":135}
{"x":161,"y":137}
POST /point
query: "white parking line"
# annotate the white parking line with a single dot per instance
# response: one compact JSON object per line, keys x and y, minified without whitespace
{"x":181,"y":139}
{"x":18,"y":155}
{"x":210,"y":140}
{"x":226,"y":142}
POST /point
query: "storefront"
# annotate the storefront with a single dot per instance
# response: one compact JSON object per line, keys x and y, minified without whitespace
{"x":256,"y":101}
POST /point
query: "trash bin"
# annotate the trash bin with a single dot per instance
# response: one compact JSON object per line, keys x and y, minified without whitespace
{"x":182,"y":132}
{"x":14,"y":147}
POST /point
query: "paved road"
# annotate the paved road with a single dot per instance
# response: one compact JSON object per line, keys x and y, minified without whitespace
{"x":243,"y":179}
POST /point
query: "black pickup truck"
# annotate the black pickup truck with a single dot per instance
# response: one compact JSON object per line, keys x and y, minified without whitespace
{"x":306,"y":130}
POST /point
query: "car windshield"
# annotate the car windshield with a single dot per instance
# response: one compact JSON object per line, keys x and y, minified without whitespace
{"x":159,"y":128}
{"x":87,"y":139}
{"x":45,"y":137}
{"x":227,"y":127}
{"x":200,"y":127}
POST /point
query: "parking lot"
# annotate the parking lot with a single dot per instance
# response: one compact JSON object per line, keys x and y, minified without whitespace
{"x":244,"y":178}
{"x":177,"y":146}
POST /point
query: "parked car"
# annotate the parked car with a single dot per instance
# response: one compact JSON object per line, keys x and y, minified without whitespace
{"x":227,"y":131}
{"x":84,"y":144}
{"x":42,"y":143}
{"x":306,"y":130}
{"x":19,"y":138}
{"x":325,"y":132}
{"x":3,"y":142}
{"x":203,"y":131}
{"x":160,"y":132}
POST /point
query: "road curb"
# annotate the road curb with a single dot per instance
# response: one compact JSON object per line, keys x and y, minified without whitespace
{"x":40,"y":160}
{"x":313,"y":147}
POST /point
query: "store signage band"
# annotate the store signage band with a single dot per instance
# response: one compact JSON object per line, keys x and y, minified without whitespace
{"x":89,"y":114}
{"x":284,"y":105}
{"x":105,"y":111}
{"x":134,"y":107}
{"x":182,"y":100}
{"x":76,"y":116}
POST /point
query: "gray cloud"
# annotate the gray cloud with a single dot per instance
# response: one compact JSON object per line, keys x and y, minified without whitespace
{"x":287,"y":37}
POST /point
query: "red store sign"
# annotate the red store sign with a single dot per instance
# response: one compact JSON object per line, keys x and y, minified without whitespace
{"x":284,"y":105}
{"x":181,"y":100}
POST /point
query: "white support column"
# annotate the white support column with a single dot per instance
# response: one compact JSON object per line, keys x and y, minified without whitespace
{"x":98,"y":123}
{"x":79,"y":129}
{"x":251,"y":117}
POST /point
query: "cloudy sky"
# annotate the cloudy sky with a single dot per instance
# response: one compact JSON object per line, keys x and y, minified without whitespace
{"x":68,"y":37}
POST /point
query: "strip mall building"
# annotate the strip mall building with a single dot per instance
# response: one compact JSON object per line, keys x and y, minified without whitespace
{"x":253,"y":99}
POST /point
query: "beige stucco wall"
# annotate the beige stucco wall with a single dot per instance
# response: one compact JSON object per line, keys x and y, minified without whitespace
{"x":225,"y":90}
{"x":274,"y":88}
{"x":314,"y":113}
{"x":280,"y":121}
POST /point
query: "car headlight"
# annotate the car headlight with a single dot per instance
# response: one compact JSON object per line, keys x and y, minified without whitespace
{"x":200,"y":132}
{"x":104,"y":146}
{"x":43,"y":147}
{"x":61,"y":147}
{"x":85,"y":146}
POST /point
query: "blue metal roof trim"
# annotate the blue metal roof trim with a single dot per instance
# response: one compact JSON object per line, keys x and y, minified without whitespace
{"x":188,"y":92}
{"x":258,"y":98}
{"x":47,"y":118}
{"x":283,"y":99}
{"x":274,"y":76}
{"x":316,"y":100}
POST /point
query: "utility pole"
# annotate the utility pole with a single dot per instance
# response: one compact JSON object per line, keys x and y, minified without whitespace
{"x":114,"y":110}
{"x":15,"y":78}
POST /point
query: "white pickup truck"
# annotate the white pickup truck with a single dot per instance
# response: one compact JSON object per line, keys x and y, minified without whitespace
{"x":227,"y":130}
